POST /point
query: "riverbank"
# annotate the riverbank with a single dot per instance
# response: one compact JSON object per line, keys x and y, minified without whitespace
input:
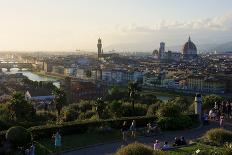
{"x":50,"y":75}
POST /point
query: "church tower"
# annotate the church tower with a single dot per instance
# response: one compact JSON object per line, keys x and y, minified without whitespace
{"x":99,"y":47}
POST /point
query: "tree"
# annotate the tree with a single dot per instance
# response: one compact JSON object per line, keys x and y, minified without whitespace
{"x":133,"y":90}
{"x":116,"y":108}
{"x":209,"y":101}
{"x":59,"y":100}
{"x":100,"y":107}
{"x":169,"y":110}
{"x":20,"y":108}
{"x":181,"y":102}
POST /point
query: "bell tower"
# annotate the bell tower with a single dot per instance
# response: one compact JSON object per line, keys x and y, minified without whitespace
{"x":99,"y":47}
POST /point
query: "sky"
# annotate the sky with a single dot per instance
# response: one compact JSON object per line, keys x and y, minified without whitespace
{"x":123,"y":25}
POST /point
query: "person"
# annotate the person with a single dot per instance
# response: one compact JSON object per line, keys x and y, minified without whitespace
{"x":228,"y":109}
{"x":32,"y":149}
{"x":124,"y":131}
{"x":177,"y":142}
{"x":205,"y":119}
{"x":183,"y":141}
{"x":212,"y":114}
{"x":57,"y":137}
{"x":27,"y":152}
{"x":157,"y":145}
{"x":222,"y":121}
{"x":166,"y":146}
{"x":133,"y":129}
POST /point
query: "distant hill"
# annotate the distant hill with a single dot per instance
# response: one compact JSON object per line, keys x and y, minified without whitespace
{"x":225,"y":47}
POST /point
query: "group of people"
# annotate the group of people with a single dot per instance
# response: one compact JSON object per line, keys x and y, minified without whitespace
{"x":125,"y":130}
{"x":177,"y":142}
{"x":220,"y":111}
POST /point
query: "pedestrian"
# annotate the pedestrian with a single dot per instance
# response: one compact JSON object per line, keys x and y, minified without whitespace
{"x":228,"y":110}
{"x":57,"y":138}
{"x":32,"y":149}
{"x":133,"y":129}
{"x":222,"y":121}
{"x":124,"y":131}
{"x":157,"y":145}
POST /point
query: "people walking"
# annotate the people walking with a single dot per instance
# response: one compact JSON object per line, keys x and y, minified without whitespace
{"x":222,"y":121}
{"x":124,"y":131}
{"x":133,"y":129}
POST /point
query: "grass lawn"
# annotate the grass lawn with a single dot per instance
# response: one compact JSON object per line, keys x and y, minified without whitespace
{"x":192,"y":149}
{"x":75,"y":141}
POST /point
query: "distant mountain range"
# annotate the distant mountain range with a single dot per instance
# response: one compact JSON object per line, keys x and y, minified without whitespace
{"x":149,"y":47}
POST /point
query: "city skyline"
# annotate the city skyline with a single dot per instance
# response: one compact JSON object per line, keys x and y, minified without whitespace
{"x":128,"y":25}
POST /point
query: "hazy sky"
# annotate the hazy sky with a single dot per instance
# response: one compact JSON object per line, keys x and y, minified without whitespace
{"x":123,"y":24}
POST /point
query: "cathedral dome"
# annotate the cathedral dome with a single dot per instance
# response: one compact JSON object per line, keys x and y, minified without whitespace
{"x":189,"y":48}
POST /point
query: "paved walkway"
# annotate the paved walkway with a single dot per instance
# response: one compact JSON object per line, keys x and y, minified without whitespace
{"x":111,"y":148}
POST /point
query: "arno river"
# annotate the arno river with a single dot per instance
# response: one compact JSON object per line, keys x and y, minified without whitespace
{"x":32,"y":76}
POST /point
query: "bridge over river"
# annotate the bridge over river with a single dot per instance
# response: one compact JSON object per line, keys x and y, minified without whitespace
{"x":20,"y":66}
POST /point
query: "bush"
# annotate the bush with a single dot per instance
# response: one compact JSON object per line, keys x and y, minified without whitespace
{"x":115,"y":108}
{"x":69,"y":114}
{"x":138,"y":149}
{"x":175,"y":123}
{"x":85,"y":106}
{"x":44,"y":116}
{"x":218,"y":136}
{"x":18,"y":136}
{"x":169,"y":110}
{"x":152,"y":109}
{"x":228,"y":148}
{"x":86,"y":115}
{"x":127,"y":110}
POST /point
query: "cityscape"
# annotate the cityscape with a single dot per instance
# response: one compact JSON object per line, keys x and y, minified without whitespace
{"x":132,"y":90}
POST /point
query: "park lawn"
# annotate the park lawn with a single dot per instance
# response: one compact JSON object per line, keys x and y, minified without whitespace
{"x":192,"y":149}
{"x":82,"y":140}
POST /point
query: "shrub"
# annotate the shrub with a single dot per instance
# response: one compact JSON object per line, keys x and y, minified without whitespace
{"x":152,"y":109}
{"x":44,"y":116}
{"x":169,"y":110}
{"x":218,"y":136}
{"x":85,"y":106}
{"x":69,"y":114}
{"x":175,"y":123}
{"x":86,"y":115}
{"x":18,"y":136}
{"x":138,"y":149}
{"x":127,"y":110}
{"x":228,"y":148}
{"x":115,"y":108}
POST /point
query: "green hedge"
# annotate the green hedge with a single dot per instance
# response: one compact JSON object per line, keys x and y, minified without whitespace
{"x":81,"y":127}
{"x":74,"y":127}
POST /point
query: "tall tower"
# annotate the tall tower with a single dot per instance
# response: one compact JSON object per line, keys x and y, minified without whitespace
{"x":161,"y":50}
{"x":99,"y":47}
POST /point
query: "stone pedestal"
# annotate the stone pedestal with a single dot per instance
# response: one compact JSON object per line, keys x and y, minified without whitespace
{"x":198,"y":105}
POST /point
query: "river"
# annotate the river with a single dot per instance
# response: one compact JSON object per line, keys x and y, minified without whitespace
{"x":32,"y":76}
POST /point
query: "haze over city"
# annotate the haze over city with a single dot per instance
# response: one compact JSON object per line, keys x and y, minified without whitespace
{"x":129,"y":25}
